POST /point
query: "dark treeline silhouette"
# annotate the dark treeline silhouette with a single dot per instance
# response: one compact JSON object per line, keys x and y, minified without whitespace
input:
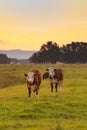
{"x":4,"y":59}
{"x":76,"y":52}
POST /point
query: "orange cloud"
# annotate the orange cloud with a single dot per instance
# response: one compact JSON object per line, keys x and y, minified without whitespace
{"x":2,"y":42}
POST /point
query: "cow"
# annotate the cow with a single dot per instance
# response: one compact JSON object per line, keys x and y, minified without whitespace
{"x":55,"y":77}
{"x":33,"y":80}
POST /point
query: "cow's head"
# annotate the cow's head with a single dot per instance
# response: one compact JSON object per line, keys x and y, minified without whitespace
{"x":51,"y":72}
{"x":30,"y":77}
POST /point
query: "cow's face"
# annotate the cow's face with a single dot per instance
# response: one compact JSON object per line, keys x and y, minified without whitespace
{"x":30,"y":77}
{"x":51,"y":72}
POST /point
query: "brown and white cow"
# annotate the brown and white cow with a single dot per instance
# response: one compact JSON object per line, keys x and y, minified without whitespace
{"x":33,"y":79}
{"x":55,"y":77}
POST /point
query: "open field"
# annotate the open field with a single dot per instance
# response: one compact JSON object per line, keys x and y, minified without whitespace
{"x":51,"y":111}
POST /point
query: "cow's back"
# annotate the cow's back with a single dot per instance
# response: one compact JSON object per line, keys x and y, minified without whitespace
{"x":59,"y":74}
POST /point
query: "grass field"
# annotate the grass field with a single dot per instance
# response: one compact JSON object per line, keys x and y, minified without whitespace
{"x":51,"y":111}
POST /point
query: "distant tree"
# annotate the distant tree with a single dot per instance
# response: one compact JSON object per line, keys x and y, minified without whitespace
{"x":33,"y":58}
{"x":82,"y":52}
{"x":75,"y":52}
{"x":49,"y":53}
{"x":4,"y":59}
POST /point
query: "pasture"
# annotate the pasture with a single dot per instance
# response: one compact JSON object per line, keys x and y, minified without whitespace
{"x":51,"y":111}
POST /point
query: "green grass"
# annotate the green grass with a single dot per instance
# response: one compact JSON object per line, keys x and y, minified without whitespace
{"x":51,"y":111}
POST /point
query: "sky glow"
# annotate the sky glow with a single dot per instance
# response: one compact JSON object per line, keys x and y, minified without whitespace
{"x":27,"y":24}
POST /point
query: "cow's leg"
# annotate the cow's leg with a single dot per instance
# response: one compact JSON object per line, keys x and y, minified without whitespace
{"x":56,"y":87}
{"x":29,"y":92}
{"x":60,"y":86}
{"x":51,"y":84}
{"x":36,"y":93}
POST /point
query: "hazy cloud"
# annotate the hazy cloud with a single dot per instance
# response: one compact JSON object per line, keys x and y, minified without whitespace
{"x":2,"y":42}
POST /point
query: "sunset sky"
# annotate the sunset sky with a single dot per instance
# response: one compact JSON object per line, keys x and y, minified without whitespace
{"x":27,"y":24}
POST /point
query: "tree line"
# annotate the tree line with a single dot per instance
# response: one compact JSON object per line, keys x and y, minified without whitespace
{"x":75,"y":52}
{"x":4,"y":59}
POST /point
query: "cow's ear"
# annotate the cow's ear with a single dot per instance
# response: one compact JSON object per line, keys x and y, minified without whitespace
{"x":25,"y":74}
{"x":55,"y":69}
{"x":47,"y":69}
{"x":45,"y":75}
